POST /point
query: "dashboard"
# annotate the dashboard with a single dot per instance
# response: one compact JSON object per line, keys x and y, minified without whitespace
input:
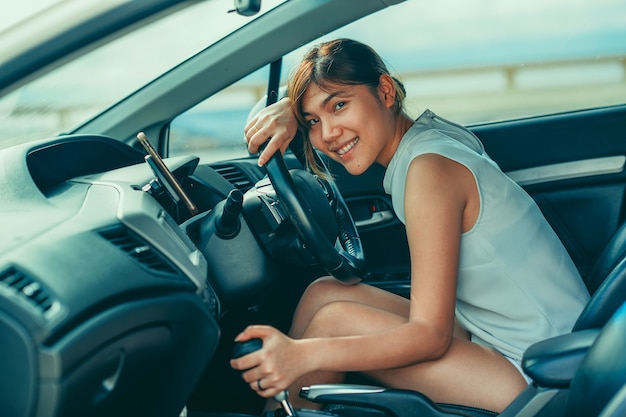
{"x":103,"y":274}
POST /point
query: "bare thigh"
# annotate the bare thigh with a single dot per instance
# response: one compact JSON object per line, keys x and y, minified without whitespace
{"x":468,"y":374}
{"x":328,"y":290}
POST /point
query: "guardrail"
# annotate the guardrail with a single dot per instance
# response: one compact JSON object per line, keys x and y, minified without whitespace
{"x":479,"y":94}
{"x":512,"y":73}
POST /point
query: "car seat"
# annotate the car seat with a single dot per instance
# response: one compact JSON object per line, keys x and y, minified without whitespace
{"x":606,"y":282}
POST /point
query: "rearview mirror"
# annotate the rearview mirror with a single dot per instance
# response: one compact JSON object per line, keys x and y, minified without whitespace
{"x":247,"y":7}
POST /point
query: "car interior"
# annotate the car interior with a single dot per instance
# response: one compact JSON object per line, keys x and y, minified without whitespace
{"x":127,"y":268}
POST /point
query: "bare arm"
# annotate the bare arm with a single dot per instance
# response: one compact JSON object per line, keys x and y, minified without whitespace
{"x":437,"y":191}
{"x":435,"y":206}
{"x":276,"y":123}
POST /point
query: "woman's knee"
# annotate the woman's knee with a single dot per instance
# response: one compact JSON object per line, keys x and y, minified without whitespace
{"x":326,"y":321}
{"x":321,"y":292}
{"x":325,"y":284}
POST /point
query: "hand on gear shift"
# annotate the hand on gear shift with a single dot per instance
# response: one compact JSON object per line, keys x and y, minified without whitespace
{"x":252,"y":345}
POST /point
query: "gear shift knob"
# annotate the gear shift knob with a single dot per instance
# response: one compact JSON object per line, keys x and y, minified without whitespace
{"x":244,"y":348}
{"x":252,"y":345}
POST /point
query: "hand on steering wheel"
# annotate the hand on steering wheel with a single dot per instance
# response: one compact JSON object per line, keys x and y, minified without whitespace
{"x":275,"y":121}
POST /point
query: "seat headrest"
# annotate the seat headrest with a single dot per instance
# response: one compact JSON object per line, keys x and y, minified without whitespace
{"x":614,"y":250}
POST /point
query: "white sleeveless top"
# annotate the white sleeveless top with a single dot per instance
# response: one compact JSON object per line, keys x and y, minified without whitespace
{"x":517,"y":284}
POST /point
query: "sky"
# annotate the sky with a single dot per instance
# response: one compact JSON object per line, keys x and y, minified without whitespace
{"x":477,"y":23}
{"x":508,"y":29}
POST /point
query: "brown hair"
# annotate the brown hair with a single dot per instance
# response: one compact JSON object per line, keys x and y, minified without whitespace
{"x":341,"y":61}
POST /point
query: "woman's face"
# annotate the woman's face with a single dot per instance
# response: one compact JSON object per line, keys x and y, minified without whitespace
{"x":350,"y":123}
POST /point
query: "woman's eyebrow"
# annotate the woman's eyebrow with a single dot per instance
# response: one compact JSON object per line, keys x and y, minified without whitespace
{"x":332,"y":96}
{"x":328,"y":99}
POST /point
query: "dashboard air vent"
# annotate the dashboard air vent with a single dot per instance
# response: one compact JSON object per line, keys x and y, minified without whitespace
{"x":30,"y":290}
{"x":137,"y":249}
{"x":235,"y":176}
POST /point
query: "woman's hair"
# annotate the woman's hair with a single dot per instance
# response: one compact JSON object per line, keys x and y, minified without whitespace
{"x":341,"y":61}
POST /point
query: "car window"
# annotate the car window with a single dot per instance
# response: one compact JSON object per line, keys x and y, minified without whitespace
{"x":485,"y":61}
{"x":213,"y":129}
{"x":66,"y":97}
{"x":472,"y":62}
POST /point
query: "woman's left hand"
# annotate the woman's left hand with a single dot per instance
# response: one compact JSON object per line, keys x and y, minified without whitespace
{"x":275,"y":124}
{"x":273,"y":368}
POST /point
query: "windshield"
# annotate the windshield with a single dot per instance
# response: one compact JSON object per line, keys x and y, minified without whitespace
{"x":77,"y":91}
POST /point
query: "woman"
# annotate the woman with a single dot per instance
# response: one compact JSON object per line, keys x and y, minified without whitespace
{"x":488,"y":275}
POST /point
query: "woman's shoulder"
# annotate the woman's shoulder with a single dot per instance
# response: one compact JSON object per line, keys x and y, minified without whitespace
{"x":431,"y":134}
{"x":432,"y":127}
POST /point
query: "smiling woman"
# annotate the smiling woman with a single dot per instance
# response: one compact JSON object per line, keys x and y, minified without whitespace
{"x":460,"y":212}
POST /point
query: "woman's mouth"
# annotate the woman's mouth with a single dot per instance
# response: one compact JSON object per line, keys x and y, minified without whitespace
{"x":347,"y":147}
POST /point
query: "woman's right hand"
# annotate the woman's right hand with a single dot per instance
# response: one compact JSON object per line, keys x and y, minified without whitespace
{"x":277,"y":365}
{"x":275,"y":123}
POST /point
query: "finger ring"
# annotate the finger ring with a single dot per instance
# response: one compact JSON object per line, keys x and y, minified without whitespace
{"x":256,"y":128}
{"x":258,"y":384}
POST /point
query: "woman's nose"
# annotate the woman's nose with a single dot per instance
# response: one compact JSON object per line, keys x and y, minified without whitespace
{"x":330,"y":131}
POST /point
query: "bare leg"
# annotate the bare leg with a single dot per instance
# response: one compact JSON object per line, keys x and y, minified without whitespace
{"x":324,"y":291}
{"x":468,"y":374}
{"x":328,"y":290}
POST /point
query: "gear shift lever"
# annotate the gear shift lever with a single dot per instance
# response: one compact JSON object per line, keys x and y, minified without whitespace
{"x":249,"y":346}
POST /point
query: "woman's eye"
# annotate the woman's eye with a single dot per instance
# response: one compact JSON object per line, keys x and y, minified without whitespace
{"x":339,"y":105}
{"x":311,"y":122}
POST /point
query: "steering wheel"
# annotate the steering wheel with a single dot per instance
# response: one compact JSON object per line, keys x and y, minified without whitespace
{"x":340,"y":255}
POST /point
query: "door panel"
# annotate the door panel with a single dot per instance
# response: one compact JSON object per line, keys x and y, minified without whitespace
{"x":571,"y":164}
{"x":581,"y":155}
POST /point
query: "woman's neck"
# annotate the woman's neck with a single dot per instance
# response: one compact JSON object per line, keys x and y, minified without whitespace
{"x":402,"y":125}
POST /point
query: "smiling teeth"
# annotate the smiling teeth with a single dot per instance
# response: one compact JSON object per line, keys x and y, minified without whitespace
{"x":347,"y":147}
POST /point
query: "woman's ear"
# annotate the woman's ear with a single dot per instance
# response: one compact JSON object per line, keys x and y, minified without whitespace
{"x":387,"y":90}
